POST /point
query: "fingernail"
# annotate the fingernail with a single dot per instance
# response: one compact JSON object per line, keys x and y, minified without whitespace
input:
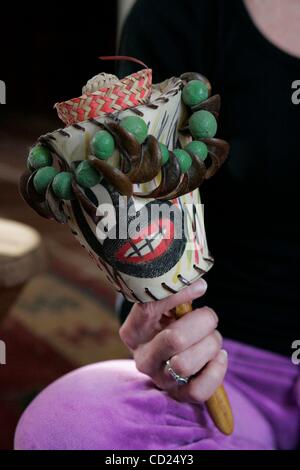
{"x":219,"y":336}
{"x":222,"y":357}
{"x":213,"y":312}
{"x":199,"y":287}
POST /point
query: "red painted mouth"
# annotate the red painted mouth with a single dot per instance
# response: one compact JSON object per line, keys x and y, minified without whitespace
{"x":152,"y":242}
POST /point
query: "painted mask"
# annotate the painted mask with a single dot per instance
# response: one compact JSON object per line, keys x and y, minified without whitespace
{"x":124,"y":175}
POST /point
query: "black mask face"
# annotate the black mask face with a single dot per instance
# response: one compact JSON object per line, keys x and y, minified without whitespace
{"x":154,"y":239}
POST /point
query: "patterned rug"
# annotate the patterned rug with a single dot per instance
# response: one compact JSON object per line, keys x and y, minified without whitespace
{"x":62,"y":320}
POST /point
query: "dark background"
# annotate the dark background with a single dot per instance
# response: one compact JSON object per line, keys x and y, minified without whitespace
{"x":47,"y":53}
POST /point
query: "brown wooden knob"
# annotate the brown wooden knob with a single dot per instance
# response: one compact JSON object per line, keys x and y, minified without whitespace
{"x":218,"y":404}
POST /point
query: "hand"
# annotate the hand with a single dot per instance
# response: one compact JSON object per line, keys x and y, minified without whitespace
{"x":192,"y":344}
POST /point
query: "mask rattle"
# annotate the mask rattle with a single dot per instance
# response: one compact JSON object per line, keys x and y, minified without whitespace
{"x":124,"y":175}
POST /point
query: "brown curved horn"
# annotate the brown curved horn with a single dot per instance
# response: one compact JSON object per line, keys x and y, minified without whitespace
{"x":114,"y":176}
{"x":218,"y":150}
{"x":149,"y":164}
{"x":170,"y":179}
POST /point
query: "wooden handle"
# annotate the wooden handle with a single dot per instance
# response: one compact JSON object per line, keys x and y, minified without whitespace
{"x":218,"y":404}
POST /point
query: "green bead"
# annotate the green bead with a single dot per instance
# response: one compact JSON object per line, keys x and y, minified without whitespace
{"x":194,"y":92}
{"x":198,"y":148}
{"x":164,"y":153}
{"x":62,"y":185}
{"x":39,"y":157}
{"x":203,"y":124}
{"x":86,"y":175}
{"x":184,"y":159}
{"x":43,"y":177}
{"x":103,"y":145}
{"x":136,"y":126}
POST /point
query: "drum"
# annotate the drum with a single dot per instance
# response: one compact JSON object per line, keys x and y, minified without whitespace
{"x":22,"y":256}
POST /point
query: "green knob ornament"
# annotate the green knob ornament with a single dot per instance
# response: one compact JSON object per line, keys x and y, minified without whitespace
{"x":164,"y":153}
{"x":103,"y":145}
{"x":203,"y":124}
{"x":194,"y":92}
{"x":136,"y":126}
{"x":43,"y":177}
{"x":86,"y":175}
{"x":184,"y":159}
{"x":62,"y":185}
{"x":39,"y":157}
{"x":198,"y":148}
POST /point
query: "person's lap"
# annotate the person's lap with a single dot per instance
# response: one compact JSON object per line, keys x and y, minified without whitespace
{"x":111,"y":405}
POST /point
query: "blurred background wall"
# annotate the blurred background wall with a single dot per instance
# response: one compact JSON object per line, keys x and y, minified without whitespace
{"x":124,"y":7}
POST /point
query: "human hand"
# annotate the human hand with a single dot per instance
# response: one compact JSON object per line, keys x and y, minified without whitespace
{"x":192,"y":344}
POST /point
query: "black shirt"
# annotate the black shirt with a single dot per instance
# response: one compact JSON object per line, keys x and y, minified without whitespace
{"x":251,"y":206}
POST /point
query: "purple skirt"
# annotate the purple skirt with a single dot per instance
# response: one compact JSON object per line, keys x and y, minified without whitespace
{"x":111,"y":406}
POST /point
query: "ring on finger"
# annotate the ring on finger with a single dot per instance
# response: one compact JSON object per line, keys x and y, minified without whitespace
{"x":178,"y":378}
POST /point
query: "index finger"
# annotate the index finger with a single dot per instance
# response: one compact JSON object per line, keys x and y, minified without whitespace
{"x":188,"y":294}
{"x":142,"y":323}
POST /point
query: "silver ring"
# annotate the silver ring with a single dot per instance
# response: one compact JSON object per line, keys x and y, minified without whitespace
{"x":180,"y":380}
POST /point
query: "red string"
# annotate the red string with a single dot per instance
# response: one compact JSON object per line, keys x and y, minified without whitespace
{"x":123,"y":57}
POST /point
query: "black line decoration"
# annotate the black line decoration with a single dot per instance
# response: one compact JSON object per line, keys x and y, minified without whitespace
{"x":183,"y":280}
{"x":150,"y":294}
{"x":168,"y":288}
{"x":64,"y":133}
{"x":79,"y":127}
{"x":200,"y":270}
{"x":95,"y":122}
{"x":135,"y":296}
